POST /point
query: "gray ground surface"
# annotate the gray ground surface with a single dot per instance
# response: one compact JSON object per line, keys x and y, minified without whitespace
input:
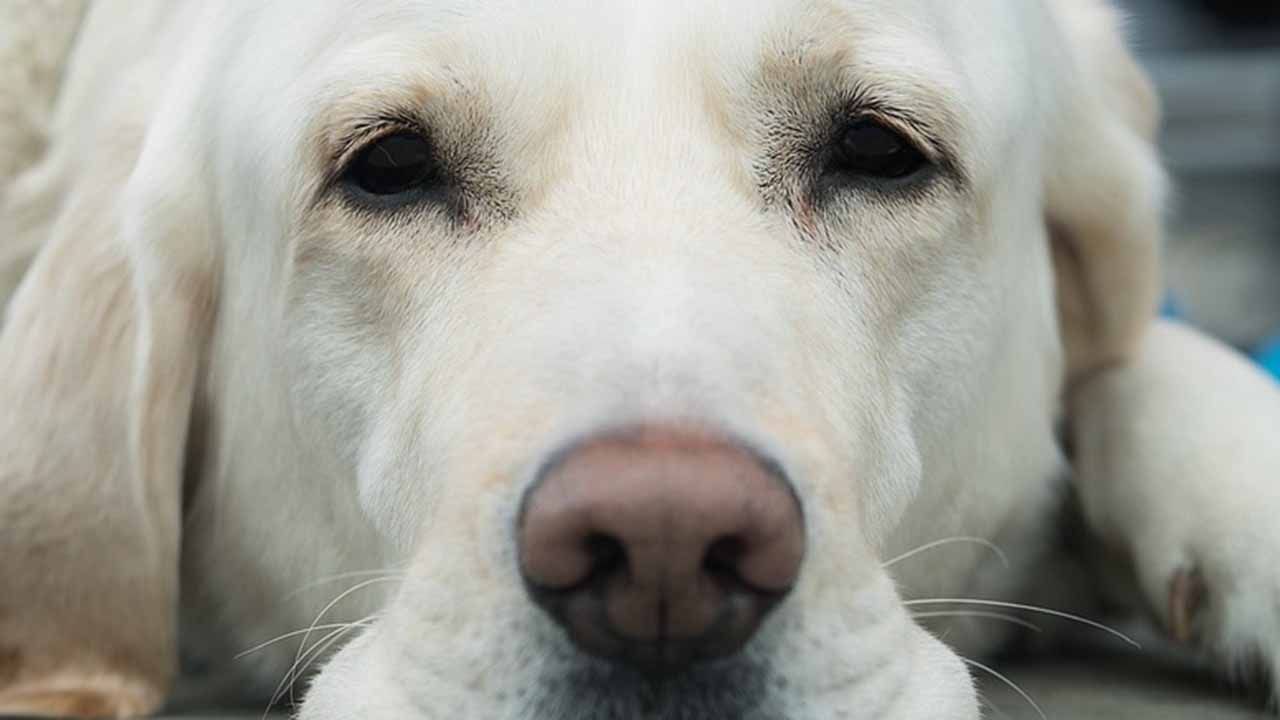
{"x":1115,"y":689}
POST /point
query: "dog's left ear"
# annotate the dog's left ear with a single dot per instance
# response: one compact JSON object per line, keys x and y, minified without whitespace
{"x":1104,"y":190}
{"x":101,"y":354}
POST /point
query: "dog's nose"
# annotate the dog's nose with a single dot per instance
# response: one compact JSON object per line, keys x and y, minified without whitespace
{"x":660,"y":548}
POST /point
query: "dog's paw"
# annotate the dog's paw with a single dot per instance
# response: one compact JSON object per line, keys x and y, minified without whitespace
{"x":1177,"y":460}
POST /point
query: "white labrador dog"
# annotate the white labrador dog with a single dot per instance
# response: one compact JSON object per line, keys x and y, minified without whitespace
{"x":587,"y":359}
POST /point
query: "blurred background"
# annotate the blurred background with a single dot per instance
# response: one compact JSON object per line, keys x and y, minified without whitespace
{"x":1217,"y":65}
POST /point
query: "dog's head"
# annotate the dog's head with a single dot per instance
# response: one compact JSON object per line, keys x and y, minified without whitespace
{"x":638,"y":333}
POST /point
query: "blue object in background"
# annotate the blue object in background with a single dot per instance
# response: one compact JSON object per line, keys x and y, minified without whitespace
{"x":1269,"y":356}
{"x":1170,"y":309}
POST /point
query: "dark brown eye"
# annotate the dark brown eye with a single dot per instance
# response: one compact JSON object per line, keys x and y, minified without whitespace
{"x":393,"y":165}
{"x":870,"y":149}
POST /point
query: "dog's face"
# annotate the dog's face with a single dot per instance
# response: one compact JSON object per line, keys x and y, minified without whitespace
{"x":503,"y":252}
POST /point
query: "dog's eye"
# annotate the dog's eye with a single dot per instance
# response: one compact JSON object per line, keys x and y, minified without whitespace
{"x":393,"y":165}
{"x":871,"y":149}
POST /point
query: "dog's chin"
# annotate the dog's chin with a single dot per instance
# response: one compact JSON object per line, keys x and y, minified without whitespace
{"x":586,"y":688}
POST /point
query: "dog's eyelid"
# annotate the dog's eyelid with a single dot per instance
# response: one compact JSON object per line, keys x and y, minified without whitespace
{"x":367,"y":131}
{"x":917,"y":135}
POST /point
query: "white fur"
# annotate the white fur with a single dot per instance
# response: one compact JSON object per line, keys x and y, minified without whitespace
{"x":345,"y":393}
{"x":1175,"y":492}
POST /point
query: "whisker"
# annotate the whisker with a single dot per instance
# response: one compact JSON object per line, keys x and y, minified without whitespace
{"x":1004,"y":559}
{"x":314,"y":623}
{"x":993,"y":673}
{"x":295,"y":671}
{"x":286,"y":636}
{"x":328,"y":579}
{"x":1026,"y":608}
{"x":1011,"y":619}
{"x":353,"y":589}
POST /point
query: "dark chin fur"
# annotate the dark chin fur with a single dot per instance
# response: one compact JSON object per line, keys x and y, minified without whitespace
{"x":592,"y":690}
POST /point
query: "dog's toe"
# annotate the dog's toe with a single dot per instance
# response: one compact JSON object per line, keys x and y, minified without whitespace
{"x":1187,"y":596}
{"x":1228,"y":607}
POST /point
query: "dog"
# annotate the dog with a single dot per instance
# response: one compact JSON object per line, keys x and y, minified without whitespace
{"x":610,"y":360}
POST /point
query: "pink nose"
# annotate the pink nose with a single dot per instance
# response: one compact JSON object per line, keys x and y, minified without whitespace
{"x":659,"y":547}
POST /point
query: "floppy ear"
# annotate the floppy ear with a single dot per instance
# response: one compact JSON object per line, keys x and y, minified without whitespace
{"x":1104,"y":191}
{"x":100,"y":352}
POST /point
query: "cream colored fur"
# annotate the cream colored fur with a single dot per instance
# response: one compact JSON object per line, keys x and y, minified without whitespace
{"x":228,"y":393}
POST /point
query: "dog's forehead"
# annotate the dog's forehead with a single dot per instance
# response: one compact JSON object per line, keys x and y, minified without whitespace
{"x":517,"y":45}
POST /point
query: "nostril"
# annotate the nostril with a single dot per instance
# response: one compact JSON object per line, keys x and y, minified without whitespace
{"x":608,"y":555}
{"x":725,"y":562}
{"x":723,"y":558}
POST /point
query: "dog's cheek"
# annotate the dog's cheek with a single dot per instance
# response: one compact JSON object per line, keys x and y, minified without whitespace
{"x":339,"y":341}
{"x":333,"y":380}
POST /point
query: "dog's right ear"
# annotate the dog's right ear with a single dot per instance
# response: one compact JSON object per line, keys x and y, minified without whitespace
{"x":1104,"y":190}
{"x":100,"y":353}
